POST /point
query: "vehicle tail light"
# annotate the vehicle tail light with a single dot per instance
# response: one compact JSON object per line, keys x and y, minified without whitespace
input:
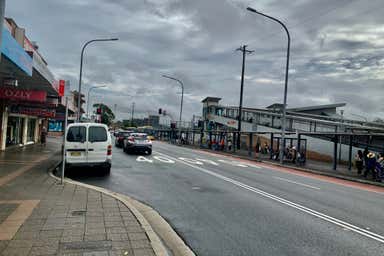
{"x":131,"y":139}
{"x":109,"y":150}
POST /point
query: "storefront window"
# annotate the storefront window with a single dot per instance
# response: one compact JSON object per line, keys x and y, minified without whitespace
{"x":14,"y":131}
{"x":31,"y":129}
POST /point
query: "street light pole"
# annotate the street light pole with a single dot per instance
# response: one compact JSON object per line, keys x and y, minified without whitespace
{"x":89,"y":92}
{"x":283,"y":124}
{"x":81,"y":71}
{"x":244,"y":50}
{"x":182,"y":97}
{"x":132,"y":112}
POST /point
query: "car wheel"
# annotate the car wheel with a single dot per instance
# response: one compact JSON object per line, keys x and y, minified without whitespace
{"x":107,"y":170}
{"x":149,"y":151}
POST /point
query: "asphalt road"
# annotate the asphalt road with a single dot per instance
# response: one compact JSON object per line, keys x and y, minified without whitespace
{"x":225,"y":206}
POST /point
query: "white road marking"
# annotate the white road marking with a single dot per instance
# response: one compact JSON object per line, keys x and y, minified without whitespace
{"x":143,"y":159}
{"x":234,"y":163}
{"x":164,"y":159}
{"x":207,"y":161}
{"x":299,"y":207}
{"x":294,"y":182}
{"x":190,"y":160}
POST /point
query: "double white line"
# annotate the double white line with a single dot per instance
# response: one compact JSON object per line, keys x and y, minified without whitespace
{"x":299,"y":207}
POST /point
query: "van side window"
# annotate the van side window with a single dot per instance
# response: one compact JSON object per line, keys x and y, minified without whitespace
{"x":76,"y":134}
{"x":97,"y":134}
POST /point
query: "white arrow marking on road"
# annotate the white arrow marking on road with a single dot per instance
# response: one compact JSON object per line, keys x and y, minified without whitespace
{"x":164,"y":159}
{"x":190,"y":160}
{"x":207,"y":161}
{"x":232,"y":163}
{"x":294,"y":182}
{"x":143,"y":159}
{"x":299,"y":207}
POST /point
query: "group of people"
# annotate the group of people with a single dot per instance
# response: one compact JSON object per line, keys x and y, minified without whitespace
{"x":370,"y":163}
{"x":219,"y":144}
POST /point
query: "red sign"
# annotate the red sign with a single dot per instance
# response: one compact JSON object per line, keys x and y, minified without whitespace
{"x":41,"y":112}
{"x":61,"y":88}
{"x":22,"y":95}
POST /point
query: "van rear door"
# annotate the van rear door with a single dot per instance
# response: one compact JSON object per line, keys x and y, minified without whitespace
{"x":76,"y":146}
{"x":97,"y":144}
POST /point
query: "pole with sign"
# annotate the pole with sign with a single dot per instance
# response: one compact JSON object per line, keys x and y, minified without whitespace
{"x":66,"y":95}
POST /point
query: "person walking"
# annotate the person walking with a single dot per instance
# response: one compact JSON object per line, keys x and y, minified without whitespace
{"x":359,"y":161}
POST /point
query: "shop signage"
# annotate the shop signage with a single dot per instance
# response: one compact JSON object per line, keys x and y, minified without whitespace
{"x":22,"y":95}
{"x":61,"y":88}
{"x":15,"y":52}
{"x":41,"y":112}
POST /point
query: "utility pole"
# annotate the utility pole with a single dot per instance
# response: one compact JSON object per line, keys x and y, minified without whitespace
{"x":244,"y":50}
{"x":132,"y":112}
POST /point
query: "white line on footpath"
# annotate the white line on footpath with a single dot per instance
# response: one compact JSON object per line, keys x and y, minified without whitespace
{"x":299,"y":207}
{"x":294,"y":182}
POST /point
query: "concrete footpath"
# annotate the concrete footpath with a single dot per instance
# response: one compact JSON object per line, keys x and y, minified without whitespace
{"x":39,"y":216}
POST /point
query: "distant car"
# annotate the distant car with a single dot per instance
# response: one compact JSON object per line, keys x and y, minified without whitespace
{"x":138,"y":142}
{"x":88,"y":144}
{"x":151,"y":137}
{"x":120,"y":136}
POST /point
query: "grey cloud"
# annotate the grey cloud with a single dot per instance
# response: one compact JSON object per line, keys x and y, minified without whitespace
{"x":335,"y":56}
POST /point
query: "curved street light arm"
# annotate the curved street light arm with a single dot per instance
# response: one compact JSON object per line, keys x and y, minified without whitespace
{"x":81,"y":69}
{"x":89,"y":92}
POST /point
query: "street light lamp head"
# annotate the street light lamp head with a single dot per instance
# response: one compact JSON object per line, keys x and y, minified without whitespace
{"x":251,"y":9}
{"x":114,"y":39}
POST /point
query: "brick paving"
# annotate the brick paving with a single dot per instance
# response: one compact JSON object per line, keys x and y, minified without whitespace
{"x":68,"y":219}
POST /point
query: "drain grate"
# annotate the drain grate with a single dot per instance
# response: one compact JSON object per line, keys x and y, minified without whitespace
{"x":87,"y":245}
{"x":78,"y":213}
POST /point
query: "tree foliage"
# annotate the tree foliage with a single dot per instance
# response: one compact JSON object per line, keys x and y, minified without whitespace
{"x":107,"y":115}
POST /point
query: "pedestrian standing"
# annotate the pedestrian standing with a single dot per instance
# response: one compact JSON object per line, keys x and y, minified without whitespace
{"x":43,"y":136}
{"x":365,"y":154}
{"x":359,"y":161}
{"x":371,"y":165}
{"x":229,"y":145}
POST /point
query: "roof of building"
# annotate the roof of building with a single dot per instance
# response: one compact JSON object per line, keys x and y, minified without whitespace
{"x":211,"y":99}
{"x":318,"y":107}
{"x":275,"y":105}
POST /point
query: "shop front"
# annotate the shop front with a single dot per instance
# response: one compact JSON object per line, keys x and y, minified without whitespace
{"x":24,"y":116}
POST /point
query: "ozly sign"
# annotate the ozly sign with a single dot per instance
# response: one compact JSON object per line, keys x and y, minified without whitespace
{"x":24,"y":95}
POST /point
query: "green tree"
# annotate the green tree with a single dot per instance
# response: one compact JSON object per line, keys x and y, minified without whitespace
{"x":107,"y":116}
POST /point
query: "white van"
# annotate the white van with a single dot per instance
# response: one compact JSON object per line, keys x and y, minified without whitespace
{"x":88,"y":144}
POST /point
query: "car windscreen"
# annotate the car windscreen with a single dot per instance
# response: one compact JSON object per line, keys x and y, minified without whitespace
{"x":97,"y":134}
{"x":140,"y":136}
{"x":76,"y":134}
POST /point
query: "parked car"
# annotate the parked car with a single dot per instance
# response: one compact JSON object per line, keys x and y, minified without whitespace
{"x":120,"y":136}
{"x":88,"y":144}
{"x":138,"y":142}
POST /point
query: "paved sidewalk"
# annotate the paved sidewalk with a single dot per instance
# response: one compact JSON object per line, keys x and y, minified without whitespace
{"x":38,"y":216}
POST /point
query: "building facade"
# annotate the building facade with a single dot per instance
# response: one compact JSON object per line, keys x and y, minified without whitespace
{"x":28,"y":90}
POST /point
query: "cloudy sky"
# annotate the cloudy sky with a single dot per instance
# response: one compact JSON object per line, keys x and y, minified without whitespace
{"x":337,"y":51}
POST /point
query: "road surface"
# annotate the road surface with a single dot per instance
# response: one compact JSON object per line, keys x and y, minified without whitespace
{"x":226,"y":206}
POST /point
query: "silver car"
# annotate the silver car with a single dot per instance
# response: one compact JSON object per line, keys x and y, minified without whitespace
{"x":138,"y":143}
